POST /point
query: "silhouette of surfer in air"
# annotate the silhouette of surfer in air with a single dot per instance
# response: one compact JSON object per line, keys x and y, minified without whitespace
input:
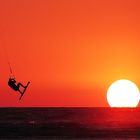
{"x":17,"y":86}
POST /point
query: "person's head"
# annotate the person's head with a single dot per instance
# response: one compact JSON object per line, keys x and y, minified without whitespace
{"x":12,"y":79}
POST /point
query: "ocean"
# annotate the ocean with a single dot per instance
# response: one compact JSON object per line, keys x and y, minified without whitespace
{"x":69,"y":123}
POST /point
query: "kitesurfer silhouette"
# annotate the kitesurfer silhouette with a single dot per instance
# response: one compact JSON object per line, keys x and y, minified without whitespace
{"x":16,"y":86}
{"x":12,"y":83}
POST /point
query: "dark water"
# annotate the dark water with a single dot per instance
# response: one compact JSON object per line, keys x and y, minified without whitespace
{"x":69,"y":123}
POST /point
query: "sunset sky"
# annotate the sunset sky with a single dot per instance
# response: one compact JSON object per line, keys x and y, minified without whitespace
{"x":70,"y":50}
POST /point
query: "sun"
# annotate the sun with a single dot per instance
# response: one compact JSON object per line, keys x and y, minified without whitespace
{"x":123,"y":93}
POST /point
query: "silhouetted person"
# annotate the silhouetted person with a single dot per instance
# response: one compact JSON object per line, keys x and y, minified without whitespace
{"x":12,"y":83}
{"x":16,"y":86}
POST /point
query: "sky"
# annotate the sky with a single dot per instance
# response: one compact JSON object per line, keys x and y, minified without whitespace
{"x":70,"y":50}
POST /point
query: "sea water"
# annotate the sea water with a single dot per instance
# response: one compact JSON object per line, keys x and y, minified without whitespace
{"x":70,"y":123}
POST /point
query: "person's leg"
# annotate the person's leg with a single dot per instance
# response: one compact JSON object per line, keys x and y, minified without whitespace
{"x":19,"y":84}
{"x":20,"y":91}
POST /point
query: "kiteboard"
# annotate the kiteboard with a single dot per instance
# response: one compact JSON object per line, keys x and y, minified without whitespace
{"x":24,"y":90}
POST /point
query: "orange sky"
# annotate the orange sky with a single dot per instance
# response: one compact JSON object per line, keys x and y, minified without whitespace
{"x":70,"y":50}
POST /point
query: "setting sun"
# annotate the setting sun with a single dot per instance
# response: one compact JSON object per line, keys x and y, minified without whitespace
{"x":123,"y":93}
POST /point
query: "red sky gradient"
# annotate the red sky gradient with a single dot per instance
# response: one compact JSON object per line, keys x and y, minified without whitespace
{"x":70,"y":50}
